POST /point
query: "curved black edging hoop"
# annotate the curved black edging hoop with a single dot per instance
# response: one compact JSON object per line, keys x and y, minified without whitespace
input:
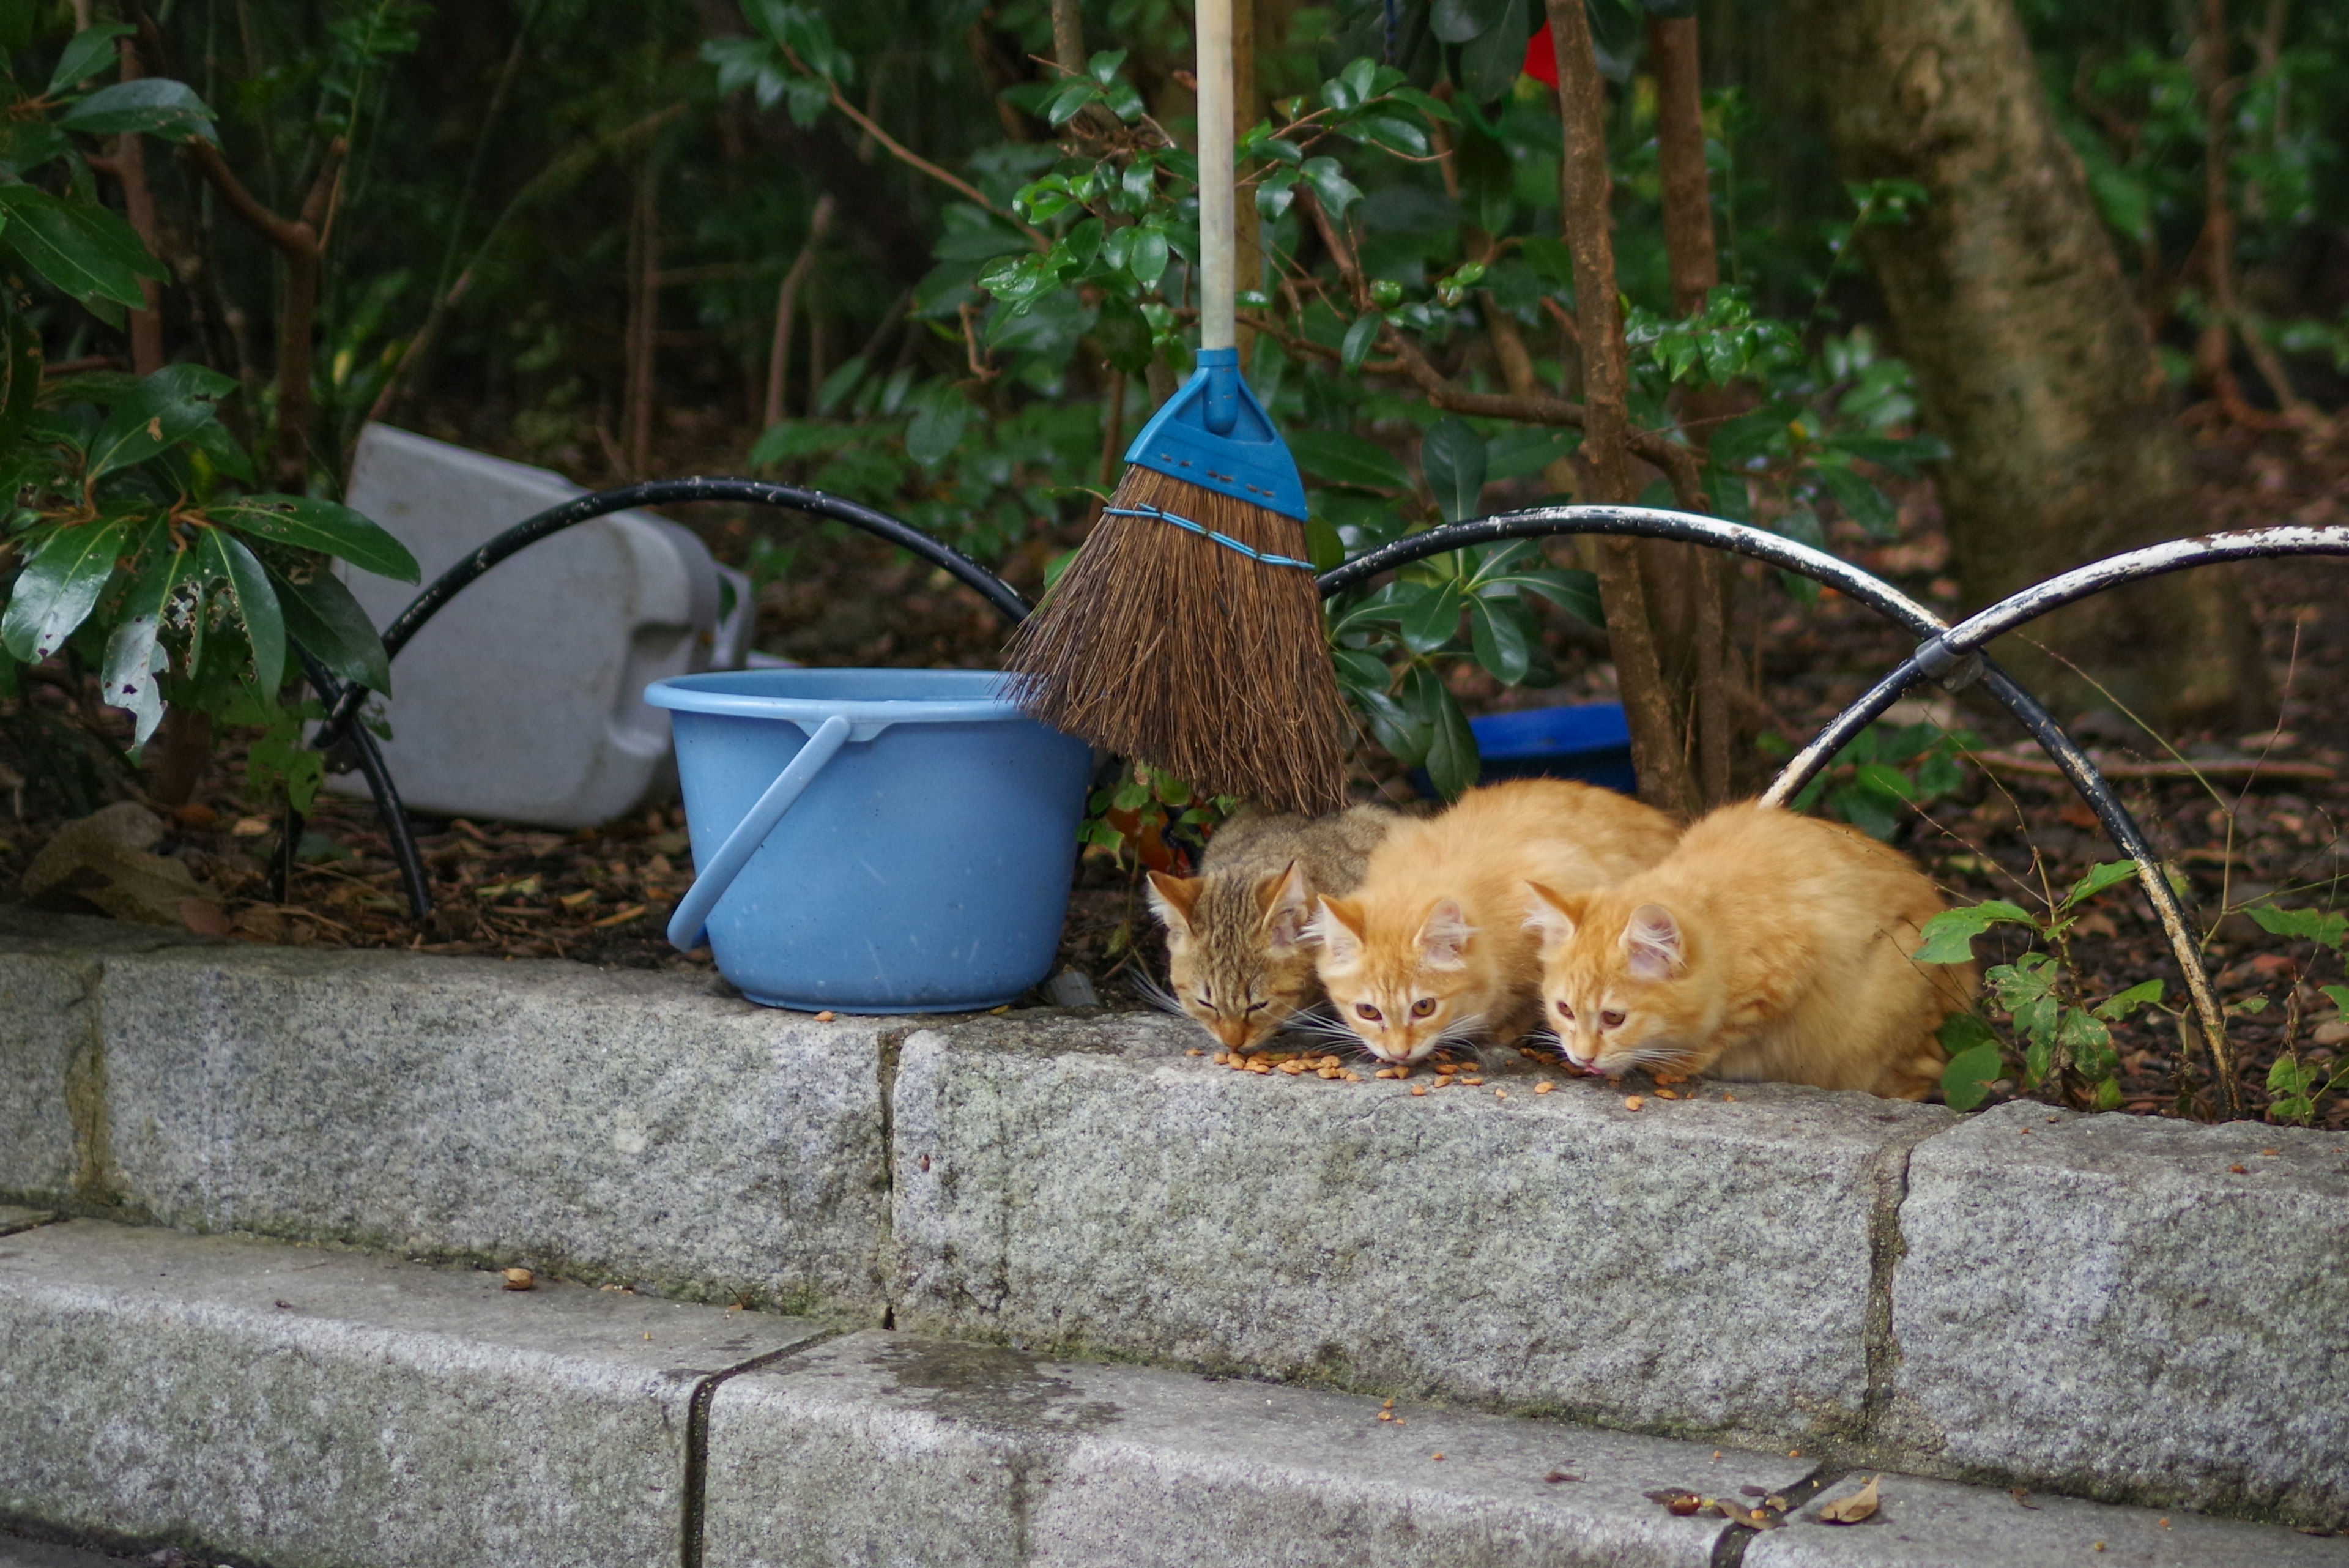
{"x":1948,"y":654}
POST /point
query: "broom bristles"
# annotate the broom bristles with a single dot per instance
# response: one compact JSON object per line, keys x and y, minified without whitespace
{"x":1170,"y":648}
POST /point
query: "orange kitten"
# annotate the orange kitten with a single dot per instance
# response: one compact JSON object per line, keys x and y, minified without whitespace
{"x":1766,"y":946}
{"x":1432,"y":947}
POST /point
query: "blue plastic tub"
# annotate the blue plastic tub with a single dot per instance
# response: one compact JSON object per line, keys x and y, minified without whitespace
{"x":1589,"y":740}
{"x":873,"y":840}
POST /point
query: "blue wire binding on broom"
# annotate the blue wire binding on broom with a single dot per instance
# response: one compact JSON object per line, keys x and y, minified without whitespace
{"x":1225,"y":540}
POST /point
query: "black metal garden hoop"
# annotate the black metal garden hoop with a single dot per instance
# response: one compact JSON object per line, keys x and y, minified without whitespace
{"x":1949,"y":655}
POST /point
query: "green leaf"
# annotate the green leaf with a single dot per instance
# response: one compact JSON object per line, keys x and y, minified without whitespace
{"x":2338,"y":994}
{"x":2119,"y":1007}
{"x":59,"y":585}
{"x":1146,"y":260}
{"x":839,"y":384}
{"x":89,"y":53}
{"x":2103,"y":875}
{"x":1975,"y":1062}
{"x":84,"y":250}
{"x":1949,"y":936}
{"x":1432,"y":620}
{"x":150,"y":106}
{"x":1451,"y":761}
{"x":1452,"y":456}
{"x":1331,"y":187}
{"x":940,"y":412}
{"x":2313,"y":925}
{"x":1861,"y":502}
{"x":127,"y":676}
{"x":1570,"y":588}
{"x":309,"y":524}
{"x":1341,"y":457}
{"x":1363,"y":333}
{"x":1491,"y":63}
{"x":1457,"y":21}
{"x":1526,"y":449}
{"x":1502,"y":642}
{"x":152,"y":418}
{"x":256,"y":603}
{"x":1880,"y":778}
{"x":322,"y":618}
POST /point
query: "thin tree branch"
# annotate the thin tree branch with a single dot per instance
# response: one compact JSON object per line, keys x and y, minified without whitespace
{"x":787,"y":293}
{"x":1677,"y":463}
{"x":913,"y":160}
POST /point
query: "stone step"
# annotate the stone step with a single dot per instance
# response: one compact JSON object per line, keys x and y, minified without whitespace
{"x":2117,"y":1307}
{"x":293,"y":1406}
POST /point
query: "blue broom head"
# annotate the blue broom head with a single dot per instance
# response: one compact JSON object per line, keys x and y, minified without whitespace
{"x":1214,"y":434}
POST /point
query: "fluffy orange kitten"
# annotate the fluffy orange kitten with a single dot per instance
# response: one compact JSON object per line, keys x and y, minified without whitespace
{"x":1766,"y":946}
{"x":1432,"y":947}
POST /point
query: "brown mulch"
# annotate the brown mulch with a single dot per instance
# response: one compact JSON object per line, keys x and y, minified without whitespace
{"x":603,"y":896}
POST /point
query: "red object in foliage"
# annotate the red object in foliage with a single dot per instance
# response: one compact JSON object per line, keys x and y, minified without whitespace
{"x":1541,"y":58}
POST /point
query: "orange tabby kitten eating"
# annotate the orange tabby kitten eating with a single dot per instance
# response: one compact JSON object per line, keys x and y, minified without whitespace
{"x":1767,"y":946}
{"x":1235,"y":952}
{"x":1432,"y":947}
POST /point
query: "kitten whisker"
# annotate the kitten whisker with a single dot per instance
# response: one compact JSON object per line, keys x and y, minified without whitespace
{"x":1157,"y":995}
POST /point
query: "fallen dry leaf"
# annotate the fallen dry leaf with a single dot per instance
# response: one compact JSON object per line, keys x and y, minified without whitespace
{"x":2023,"y":1498}
{"x":104,"y":859}
{"x":1851,"y":1510}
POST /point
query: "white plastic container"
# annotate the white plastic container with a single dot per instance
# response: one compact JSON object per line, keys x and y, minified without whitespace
{"x":521,"y":699}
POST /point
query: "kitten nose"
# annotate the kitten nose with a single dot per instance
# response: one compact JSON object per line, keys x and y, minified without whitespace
{"x":1232,"y":1032}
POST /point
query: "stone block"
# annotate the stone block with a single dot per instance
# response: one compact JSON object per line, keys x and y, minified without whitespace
{"x":2128,"y":1308}
{"x":52,"y":1142}
{"x":604,"y":1125}
{"x":1923,"y":1523}
{"x":326,"y":1409}
{"x":1700,"y":1265}
{"x":880,"y":1448}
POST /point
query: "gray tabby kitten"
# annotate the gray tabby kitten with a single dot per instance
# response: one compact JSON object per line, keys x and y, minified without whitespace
{"x":1238,"y":956}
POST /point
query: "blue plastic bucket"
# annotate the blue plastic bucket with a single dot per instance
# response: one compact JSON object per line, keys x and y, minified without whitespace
{"x":873,"y":840}
{"x":1588,"y":740}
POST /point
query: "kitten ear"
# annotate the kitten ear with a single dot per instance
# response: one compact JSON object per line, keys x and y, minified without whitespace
{"x":1171,"y":900}
{"x":1288,"y":904}
{"x":1554,"y":915}
{"x":1652,"y":938}
{"x":1443,"y":935}
{"x":1338,"y":928}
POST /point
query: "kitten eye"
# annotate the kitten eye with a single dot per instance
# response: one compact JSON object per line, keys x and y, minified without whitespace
{"x":1255,"y":1007}
{"x":1609,"y":1019}
{"x":1422,"y":1007}
{"x":1566,"y":1013}
{"x":1367,"y":1011}
{"x":1205,"y":1002}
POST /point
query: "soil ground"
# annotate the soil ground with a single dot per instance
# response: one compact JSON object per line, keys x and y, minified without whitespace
{"x":602,"y":895}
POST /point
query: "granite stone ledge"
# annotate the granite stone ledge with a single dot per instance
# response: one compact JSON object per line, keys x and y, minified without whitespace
{"x":314,"y":1409}
{"x":1922,"y":1523}
{"x":885,"y":1449}
{"x":602,"y":1125}
{"x":53,"y":1143}
{"x":1699,"y":1266}
{"x":2128,"y":1308}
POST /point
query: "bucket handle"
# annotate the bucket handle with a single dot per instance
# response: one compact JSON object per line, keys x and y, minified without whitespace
{"x":711,"y":883}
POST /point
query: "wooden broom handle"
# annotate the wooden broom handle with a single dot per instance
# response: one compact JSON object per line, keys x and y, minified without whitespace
{"x":1218,"y":240}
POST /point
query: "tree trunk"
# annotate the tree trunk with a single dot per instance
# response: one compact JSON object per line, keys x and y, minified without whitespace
{"x":2031,"y":360}
{"x":1658,"y":738}
{"x":1689,"y":586}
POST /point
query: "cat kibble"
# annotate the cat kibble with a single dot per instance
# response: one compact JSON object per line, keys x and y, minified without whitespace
{"x":1633,"y":1102}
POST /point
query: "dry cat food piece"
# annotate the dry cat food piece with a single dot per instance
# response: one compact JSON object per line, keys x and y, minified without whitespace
{"x":520,"y":1280}
{"x":1544,"y":1087}
{"x":1632,"y":1102}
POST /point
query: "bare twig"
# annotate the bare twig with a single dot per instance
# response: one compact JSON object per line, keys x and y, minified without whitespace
{"x":296,"y":240}
{"x":779,"y":349}
{"x":1678,"y":464}
{"x":913,"y":160}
